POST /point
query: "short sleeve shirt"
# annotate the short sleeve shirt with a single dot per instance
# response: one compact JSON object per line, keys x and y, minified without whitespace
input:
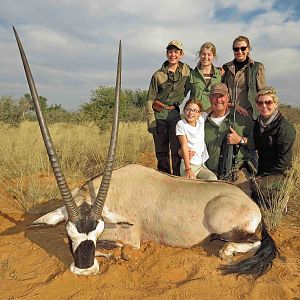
{"x":195,"y":138}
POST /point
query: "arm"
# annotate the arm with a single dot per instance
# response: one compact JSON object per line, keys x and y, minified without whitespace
{"x":286,"y":139}
{"x":245,"y":138}
{"x":260,"y":77}
{"x":242,"y":110}
{"x":185,"y":155}
{"x":152,"y":94}
{"x":234,"y":138}
{"x":223,"y":78}
{"x":187,"y":86}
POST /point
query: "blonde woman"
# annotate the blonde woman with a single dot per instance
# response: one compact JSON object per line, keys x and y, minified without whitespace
{"x":204,"y":75}
{"x":274,"y":137}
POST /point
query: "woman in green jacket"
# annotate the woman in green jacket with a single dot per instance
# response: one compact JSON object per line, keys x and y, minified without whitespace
{"x":204,"y":75}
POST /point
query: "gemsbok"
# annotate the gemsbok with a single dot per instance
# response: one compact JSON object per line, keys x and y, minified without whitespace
{"x":142,"y":204}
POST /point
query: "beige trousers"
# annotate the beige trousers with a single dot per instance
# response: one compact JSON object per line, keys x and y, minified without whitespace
{"x":201,"y":172}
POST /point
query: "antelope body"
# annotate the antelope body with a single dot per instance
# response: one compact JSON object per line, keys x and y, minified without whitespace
{"x":166,"y":209}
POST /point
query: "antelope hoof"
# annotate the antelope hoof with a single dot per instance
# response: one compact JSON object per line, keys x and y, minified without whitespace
{"x":226,"y":253}
{"x":106,"y":255}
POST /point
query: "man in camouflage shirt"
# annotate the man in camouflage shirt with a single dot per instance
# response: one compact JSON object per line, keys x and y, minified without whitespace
{"x":168,"y":88}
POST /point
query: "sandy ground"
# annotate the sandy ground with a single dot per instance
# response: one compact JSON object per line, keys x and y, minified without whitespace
{"x":34,"y":265}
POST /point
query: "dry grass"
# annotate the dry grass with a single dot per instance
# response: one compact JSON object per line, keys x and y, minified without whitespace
{"x":25,"y":171}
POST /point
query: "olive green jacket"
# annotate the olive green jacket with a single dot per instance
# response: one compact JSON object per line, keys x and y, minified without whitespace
{"x":168,"y":87}
{"x":214,"y":136}
{"x":244,"y":85}
{"x":198,"y":87}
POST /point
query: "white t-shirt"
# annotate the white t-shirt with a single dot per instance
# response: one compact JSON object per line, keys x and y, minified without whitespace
{"x":218,"y":121}
{"x":195,"y":138}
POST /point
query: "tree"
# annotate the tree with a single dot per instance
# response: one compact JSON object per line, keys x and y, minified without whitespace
{"x":100,"y":108}
{"x":140,"y":98}
{"x":55,"y":113}
{"x":11,"y":111}
{"x":42,"y":102}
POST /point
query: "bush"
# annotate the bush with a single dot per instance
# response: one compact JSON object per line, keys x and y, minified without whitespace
{"x":100,"y":108}
{"x":12,"y":112}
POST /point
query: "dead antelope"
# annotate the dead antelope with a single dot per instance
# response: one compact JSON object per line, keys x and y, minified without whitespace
{"x":142,"y":204}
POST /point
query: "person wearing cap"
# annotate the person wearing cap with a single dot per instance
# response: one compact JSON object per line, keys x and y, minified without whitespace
{"x":274,"y":137}
{"x":221,"y":126}
{"x":244,"y":77}
{"x":167,"y":90}
{"x":204,"y":75}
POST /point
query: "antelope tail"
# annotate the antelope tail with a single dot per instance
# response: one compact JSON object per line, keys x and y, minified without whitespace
{"x":260,"y":262}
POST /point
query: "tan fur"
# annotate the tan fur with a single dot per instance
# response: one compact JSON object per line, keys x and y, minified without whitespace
{"x":172,"y":210}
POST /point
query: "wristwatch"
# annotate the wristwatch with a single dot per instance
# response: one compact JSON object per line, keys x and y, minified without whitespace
{"x":242,"y":141}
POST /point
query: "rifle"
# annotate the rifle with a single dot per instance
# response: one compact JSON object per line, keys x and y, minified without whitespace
{"x":228,"y":158}
{"x":227,"y":161}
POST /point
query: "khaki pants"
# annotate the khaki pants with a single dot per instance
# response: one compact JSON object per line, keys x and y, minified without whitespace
{"x":267,"y":186}
{"x":201,"y":172}
{"x":243,"y":181}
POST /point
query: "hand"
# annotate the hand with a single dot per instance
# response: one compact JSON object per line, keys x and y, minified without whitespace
{"x":242,"y":111}
{"x":189,"y":174}
{"x":222,"y":71}
{"x":233,"y":138}
{"x":152,"y":130}
{"x":158,"y":106}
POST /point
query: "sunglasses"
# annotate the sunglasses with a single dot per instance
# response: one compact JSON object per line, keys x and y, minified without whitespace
{"x":268,"y":103}
{"x":236,"y":49}
{"x":192,"y":110}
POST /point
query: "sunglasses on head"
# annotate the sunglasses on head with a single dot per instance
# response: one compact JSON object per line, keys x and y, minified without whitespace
{"x":261,"y":103}
{"x":236,"y":49}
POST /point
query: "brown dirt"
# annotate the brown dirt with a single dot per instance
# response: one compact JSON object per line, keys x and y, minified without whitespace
{"x":34,"y":265}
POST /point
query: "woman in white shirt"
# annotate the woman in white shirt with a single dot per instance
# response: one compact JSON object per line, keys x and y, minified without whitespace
{"x":190,"y":132}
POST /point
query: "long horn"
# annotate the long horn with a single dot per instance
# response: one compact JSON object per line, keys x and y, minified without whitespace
{"x":97,"y":208}
{"x":73,"y":212}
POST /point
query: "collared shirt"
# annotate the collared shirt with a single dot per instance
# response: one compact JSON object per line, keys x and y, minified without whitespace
{"x":199,"y":88}
{"x":169,"y":87}
{"x":214,"y":136}
{"x":241,"y":82}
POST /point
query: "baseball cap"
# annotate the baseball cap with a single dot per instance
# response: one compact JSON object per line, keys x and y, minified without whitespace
{"x":219,"y":88}
{"x":175,"y":43}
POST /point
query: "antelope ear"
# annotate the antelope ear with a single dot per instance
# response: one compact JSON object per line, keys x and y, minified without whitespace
{"x":113,"y":218}
{"x":53,"y":217}
{"x":58,"y":215}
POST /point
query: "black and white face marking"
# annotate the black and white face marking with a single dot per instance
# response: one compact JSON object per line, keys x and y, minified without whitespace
{"x":83,"y":248}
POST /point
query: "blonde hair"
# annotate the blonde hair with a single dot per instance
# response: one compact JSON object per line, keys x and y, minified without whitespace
{"x":268,"y":90}
{"x":210,"y":47}
{"x":193,"y":101}
{"x":242,"y":38}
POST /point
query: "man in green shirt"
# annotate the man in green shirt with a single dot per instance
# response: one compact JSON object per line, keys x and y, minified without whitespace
{"x":168,"y":88}
{"x":221,"y":124}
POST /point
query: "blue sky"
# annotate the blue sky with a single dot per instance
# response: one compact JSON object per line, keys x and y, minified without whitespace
{"x":72,"y":45}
